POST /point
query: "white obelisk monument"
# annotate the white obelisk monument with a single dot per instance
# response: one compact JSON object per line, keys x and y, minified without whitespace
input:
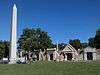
{"x":13,"y":39}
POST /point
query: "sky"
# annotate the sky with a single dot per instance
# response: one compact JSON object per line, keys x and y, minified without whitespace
{"x":62,"y":19}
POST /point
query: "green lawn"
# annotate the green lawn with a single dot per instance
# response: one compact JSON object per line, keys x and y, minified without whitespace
{"x":52,"y":68}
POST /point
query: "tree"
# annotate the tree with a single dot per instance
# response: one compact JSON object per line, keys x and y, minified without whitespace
{"x":91,"y":42}
{"x":7,"y":46}
{"x":75,"y":43}
{"x":97,"y":39}
{"x":84,"y":45}
{"x":61,"y":46}
{"x":34,"y":39}
{"x":2,"y":49}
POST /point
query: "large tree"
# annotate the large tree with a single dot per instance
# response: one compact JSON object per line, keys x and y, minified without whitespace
{"x":34,"y":39}
{"x":97,"y":39}
{"x":7,"y":46}
{"x":84,"y":45}
{"x":75,"y":43}
{"x":61,"y":46}
{"x":4,"y":48}
{"x":91,"y":42}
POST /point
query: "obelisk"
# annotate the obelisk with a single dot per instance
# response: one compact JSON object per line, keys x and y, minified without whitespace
{"x":13,"y":38}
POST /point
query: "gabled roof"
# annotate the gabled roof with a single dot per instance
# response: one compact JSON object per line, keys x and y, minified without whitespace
{"x":69,"y":48}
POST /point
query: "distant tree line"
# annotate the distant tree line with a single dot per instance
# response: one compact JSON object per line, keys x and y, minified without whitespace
{"x":4,"y":48}
{"x":35,"y":39}
{"x":92,"y":42}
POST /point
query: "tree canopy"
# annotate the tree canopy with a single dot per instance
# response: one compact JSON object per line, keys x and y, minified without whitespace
{"x":75,"y":43}
{"x":91,"y":42}
{"x":34,"y":39}
{"x":61,"y":46}
{"x":4,"y":49}
{"x":97,"y":39}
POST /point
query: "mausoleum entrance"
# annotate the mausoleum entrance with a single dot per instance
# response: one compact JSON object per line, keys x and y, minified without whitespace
{"x":69,"y":56}
{"x":89,"y":56}
{"x":51,"y":56}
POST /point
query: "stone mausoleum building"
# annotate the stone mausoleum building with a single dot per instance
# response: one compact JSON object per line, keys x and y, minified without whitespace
{"x":69,"y":53}
{"x":89,"y":53}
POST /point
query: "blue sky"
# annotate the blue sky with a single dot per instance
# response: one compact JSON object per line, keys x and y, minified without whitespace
{"x":62,"y":19}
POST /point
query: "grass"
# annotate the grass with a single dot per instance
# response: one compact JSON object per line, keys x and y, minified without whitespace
{"x":51,"y":68}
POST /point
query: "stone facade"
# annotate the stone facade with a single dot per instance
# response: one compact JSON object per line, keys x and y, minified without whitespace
{"x":89,"y":53}
{"x":67,"y":54}
{"x":70,"y":53}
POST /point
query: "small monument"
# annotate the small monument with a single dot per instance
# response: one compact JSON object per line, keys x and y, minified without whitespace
{"x":13,"y":45}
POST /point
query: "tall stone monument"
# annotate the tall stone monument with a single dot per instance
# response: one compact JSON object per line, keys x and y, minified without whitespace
{"x":13,"y":38}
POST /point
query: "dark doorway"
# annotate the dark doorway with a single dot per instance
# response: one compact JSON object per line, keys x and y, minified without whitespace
{"x":51,"y":56}
{"x":69,"y":56}
{"x":89,"y":56}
